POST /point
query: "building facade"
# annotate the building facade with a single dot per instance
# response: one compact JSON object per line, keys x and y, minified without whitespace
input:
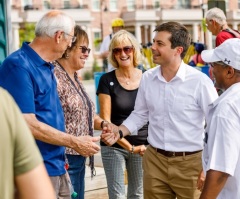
{"x":140,"y":16}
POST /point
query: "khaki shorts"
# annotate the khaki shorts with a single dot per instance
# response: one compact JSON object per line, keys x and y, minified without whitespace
{"x":61,"y":186}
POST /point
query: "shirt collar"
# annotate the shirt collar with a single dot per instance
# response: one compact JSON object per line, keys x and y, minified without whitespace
{"x":36,"y":59}
{"x":181,"y":73}
{"x":234,"y":88}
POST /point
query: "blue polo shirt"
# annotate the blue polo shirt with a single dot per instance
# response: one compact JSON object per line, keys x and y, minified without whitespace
{"x":30,"y":80}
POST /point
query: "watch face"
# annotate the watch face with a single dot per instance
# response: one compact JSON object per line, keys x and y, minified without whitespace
{"x":120,"y":134}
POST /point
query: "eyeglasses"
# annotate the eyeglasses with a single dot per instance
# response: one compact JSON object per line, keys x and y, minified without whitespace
{"x":126,"y":49}
{"x":218,"y":63}
{"x":85,"y":49}
{"x":73,"y":37}
{"x":210,"y":21}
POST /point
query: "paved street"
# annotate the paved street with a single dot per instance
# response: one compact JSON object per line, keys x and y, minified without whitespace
{"x":97,"y":187}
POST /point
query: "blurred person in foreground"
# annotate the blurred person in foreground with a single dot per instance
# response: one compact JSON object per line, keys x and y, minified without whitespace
{"x":28,"y":76}
{"x":78,"y":108}
{"x":23,"y":175}
{"x":117,"y":24}
{"x":174,"y":98}
{"x":221,"y":155}
{"x":117,"y":91}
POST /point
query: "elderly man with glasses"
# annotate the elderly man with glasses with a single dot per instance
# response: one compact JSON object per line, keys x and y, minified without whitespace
{"x":28,"y":76}
{"x":221,"y":155}
{"x":217,"y":24}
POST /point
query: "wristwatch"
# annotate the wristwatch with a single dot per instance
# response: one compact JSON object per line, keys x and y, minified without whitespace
{"x":120,"y":133}
{"x":102,"y":122}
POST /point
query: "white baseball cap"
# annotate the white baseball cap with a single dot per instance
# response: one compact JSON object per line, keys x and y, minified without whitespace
{"x":228,"y":52}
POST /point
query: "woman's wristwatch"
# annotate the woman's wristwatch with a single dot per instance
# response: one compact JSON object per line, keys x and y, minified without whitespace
{"x":102,"y":123}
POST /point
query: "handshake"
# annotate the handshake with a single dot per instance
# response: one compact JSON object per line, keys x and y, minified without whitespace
{"x":112,"y":134}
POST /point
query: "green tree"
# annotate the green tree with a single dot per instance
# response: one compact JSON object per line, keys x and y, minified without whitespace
{"x":27,"y":32}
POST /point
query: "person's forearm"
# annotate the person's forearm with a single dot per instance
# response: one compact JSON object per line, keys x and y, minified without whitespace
{"x":124,"y":130}
{"x":97,"y":122}
{"x":125,"y":144}
{"x":48,"y":134}
{"x":214,"y":183}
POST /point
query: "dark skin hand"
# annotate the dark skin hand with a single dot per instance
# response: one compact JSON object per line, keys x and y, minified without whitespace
{"x":214,"y":183}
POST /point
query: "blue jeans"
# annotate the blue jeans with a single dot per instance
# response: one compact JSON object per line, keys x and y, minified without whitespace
{"x":76,"y":172}
{"x":115,"y":161}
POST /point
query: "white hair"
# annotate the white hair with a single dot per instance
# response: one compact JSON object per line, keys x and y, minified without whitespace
{"x":52,"y":22}
{"x":216,"y":14}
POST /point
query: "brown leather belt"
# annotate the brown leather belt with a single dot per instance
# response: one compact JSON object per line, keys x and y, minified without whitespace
{"x":174,"y":154}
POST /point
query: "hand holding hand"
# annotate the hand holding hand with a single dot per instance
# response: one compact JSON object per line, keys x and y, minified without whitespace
{"x":110,"y":134}
{"x":86,"y":145}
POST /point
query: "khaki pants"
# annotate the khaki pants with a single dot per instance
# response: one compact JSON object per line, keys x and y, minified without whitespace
{"x":170,"y":177}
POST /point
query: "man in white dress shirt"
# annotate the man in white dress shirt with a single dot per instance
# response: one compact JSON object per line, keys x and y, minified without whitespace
{"x":174,"y":98}
{"x":221,"y":155}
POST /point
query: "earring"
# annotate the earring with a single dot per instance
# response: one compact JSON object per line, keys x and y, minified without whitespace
{"x":66,"y":55}
{"x":58,"y":41}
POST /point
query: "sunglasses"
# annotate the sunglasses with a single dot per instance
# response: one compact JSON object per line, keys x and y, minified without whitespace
{"x":85,"y":49}
{"x":126,"y":49}
{"x":73,"y":37}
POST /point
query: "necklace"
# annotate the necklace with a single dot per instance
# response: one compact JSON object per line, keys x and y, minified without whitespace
{"x":127,"y":81}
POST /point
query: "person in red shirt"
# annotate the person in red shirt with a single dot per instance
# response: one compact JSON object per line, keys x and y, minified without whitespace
{"x":217,"y":25}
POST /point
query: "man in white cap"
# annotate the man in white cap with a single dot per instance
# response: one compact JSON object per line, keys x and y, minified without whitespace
{"x":221,"y":155}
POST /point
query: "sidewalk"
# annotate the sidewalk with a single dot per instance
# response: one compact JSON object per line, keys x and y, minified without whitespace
{"x":97,"y":187}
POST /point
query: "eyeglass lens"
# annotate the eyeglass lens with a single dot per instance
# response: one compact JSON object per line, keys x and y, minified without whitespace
{"x":126,"y":49}
{"x":73,"y":37}
{"x":85,"y":49}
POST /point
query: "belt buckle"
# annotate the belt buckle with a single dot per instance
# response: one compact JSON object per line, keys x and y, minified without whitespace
{"x":171,"y":154}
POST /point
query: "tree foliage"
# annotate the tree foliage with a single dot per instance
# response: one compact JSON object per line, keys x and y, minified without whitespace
{"x":27,"y":32}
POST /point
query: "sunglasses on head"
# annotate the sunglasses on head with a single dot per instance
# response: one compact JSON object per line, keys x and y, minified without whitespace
{"x":126,"y":49}
{"x":85,"y":49}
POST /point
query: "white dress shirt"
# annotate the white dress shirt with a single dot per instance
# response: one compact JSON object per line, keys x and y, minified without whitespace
{"x":222,"y":150}
{"x":175,"y":109}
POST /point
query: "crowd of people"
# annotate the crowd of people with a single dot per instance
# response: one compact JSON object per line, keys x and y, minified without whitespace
{"x":153,"y":122}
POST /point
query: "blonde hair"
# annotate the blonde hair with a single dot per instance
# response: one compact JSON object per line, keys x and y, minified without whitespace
{"x":120,"y":37}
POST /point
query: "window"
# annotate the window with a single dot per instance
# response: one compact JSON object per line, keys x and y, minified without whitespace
{"x":46,"y":4}
{"x":66,"y":4}
{"x":227,"y":4}
{"x":183,"y":4}
{"x":113,"y":5}
{"x":96,"y":5}
{"x":26,"y":2}
{"x":156,"y":4}
{"x":130,"y":5}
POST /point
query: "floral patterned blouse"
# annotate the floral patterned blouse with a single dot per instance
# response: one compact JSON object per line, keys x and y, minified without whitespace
{"x":77,"y":106}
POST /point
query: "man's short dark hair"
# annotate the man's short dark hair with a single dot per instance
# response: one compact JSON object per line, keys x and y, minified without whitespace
{"x":179,"y":35}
